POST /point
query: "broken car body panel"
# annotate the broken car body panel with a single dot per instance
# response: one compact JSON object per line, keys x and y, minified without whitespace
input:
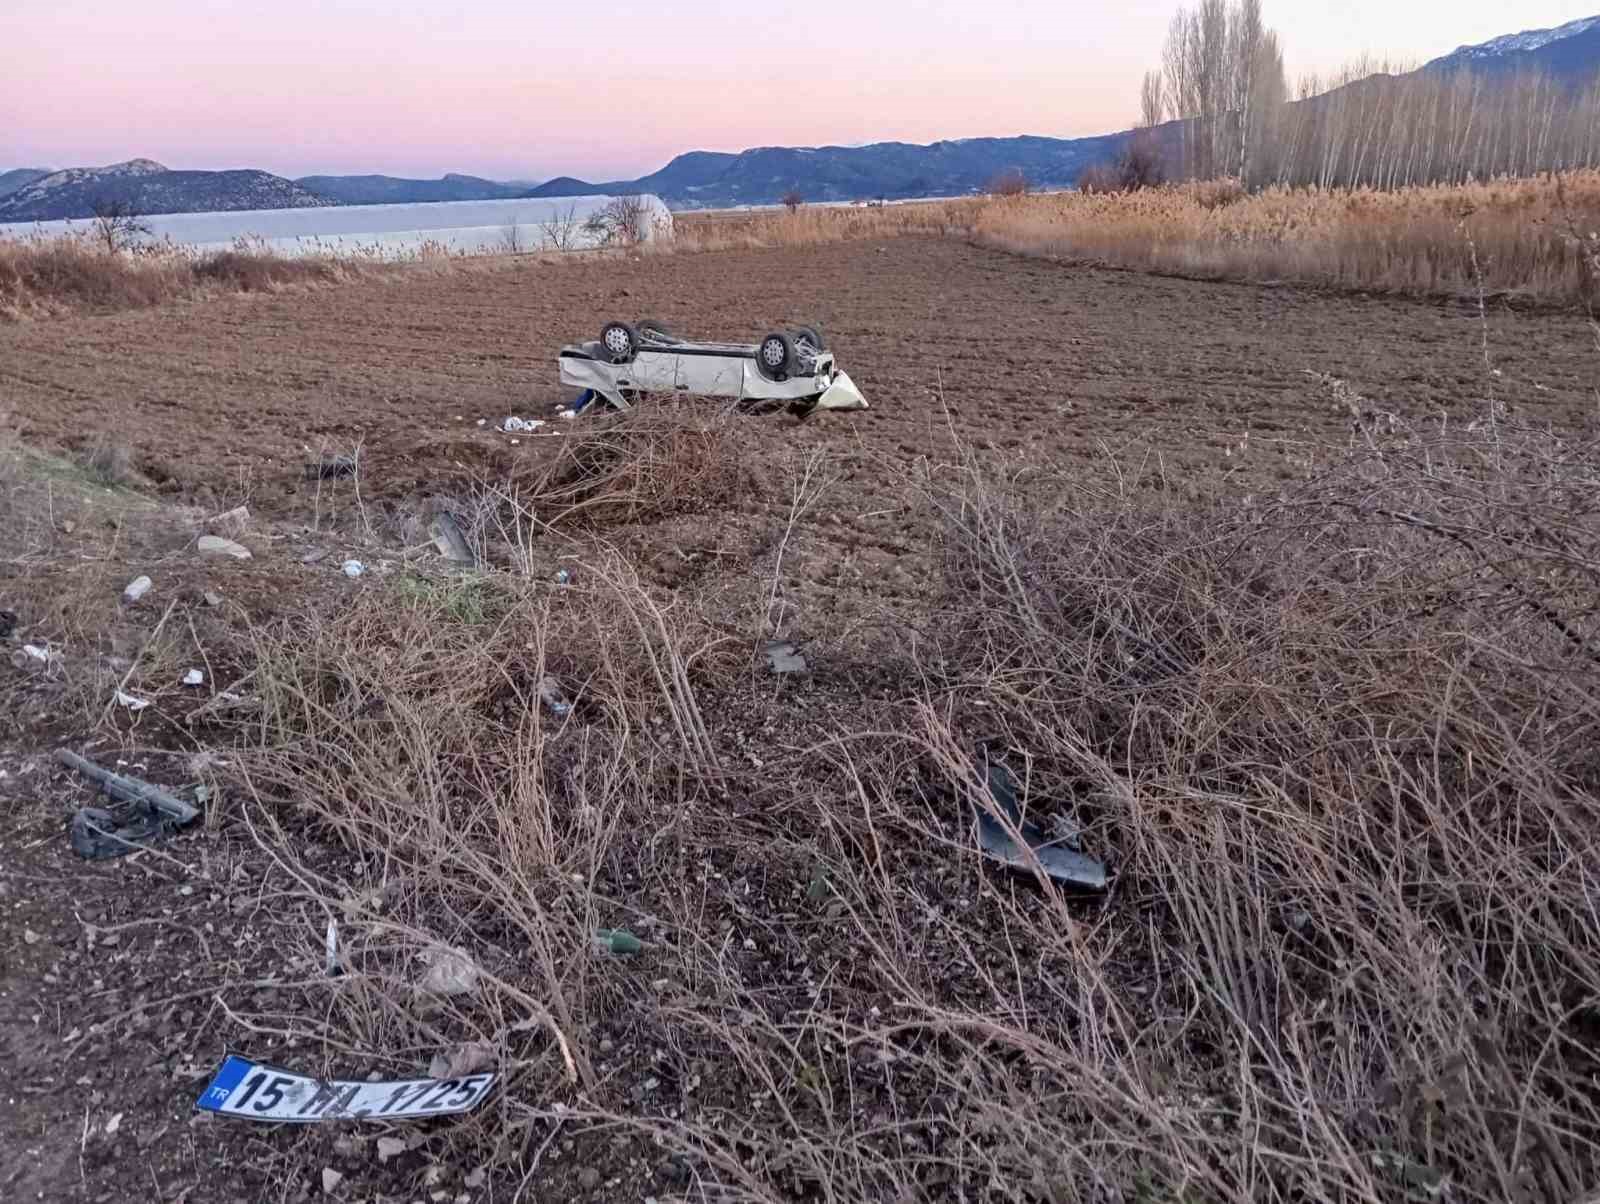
{"x":1057,"y":859}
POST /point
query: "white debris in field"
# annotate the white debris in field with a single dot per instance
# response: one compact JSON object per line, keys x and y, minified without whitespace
{"x":213,"y":598}
{"x":133,"y":704}
{"x":235,"y":520}
{"x":515,"y":425}
{"x":353,"y":568}
{"x":784,"y":657}
{"x":194,"y":677}
{"x":330,"y":1180}
{"x":550,"y":693}
{"x":215,"y":545}
{"x":35,"y":655}
{"x":136,"y":589}
{"x":390,"y":1147}
{"x":462,"y":1060}
{"x":449,"y":972}
{"x":566,"y":413}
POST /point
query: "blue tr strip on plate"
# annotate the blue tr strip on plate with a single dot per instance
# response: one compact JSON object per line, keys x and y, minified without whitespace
{"x":229,"y":1075}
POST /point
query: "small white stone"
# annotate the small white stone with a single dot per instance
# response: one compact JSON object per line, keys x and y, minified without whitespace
{"x":215,"y":545}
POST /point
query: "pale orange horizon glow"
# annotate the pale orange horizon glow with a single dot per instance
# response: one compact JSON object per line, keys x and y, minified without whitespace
{"x":613,"y":90}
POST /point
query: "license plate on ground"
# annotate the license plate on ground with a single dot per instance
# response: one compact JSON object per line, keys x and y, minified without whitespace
{"x":252,"y":1091}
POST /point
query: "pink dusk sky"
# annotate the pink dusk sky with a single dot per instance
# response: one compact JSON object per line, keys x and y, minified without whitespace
{"x":614,"y":88}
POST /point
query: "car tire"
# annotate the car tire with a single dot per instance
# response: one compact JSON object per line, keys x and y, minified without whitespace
{"x":811,"y":335}
{"x":652,"y":326}
{"x":619,"y":342}
{"x":775,"y":356}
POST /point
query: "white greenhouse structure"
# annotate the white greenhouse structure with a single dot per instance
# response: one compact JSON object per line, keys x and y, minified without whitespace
{"x":397,"y":231}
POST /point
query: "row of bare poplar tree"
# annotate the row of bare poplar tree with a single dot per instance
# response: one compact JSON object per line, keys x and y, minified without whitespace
{"x":1220,"y":105}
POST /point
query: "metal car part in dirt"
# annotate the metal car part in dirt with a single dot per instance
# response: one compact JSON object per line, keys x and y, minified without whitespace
{"x":644,"y":357}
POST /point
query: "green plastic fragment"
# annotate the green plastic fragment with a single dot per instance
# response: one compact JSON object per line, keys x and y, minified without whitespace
{"x":618,"y":940}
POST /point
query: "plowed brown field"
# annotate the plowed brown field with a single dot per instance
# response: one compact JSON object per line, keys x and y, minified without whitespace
{"x":1042,"y":361}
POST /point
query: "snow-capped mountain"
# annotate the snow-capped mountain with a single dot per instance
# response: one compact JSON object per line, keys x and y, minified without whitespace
{"x":1530,"y":39}
{"x":1570,"y":51}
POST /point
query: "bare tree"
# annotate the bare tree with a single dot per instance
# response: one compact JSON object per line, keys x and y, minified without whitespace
{"x":1153,"y":100}
{"x":511,"y":241}
{"x":1142,"y":163}
{"x":1222,"y":72}
{"x":792,"y":200}
{"x":117,"y":224}
{"x":1010,"y":182}
{"x":559,"y":232}
{"x":625,"y":221}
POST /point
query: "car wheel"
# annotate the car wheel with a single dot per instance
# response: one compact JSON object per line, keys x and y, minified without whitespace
{"x":813,"y":336}
{"x":775,"y":356}
{"x":620,"y":342}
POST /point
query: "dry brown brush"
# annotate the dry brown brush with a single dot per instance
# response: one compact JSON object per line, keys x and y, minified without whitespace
{"x":659,"y":458}
{"x":1337,"y":746}
{"x":50,"y":276}
{"x":813,"y":225}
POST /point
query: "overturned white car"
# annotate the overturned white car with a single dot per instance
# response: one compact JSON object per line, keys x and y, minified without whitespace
{"x":628,"y":360}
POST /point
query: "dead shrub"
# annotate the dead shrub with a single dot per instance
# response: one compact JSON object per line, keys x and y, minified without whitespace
{"x":1141,"y":164}
{"x":1340,"y":747}
{"x":252,"y":272}
{"x":110,"y":462}
{"x":1008,"y":183}
{"x":1099,"y":179}
{"x":43,"y":277}
{"x":47,"y":276}
{"x":1217,"y":194}
{"x":490,"y":810}
{"x":654,"y":460}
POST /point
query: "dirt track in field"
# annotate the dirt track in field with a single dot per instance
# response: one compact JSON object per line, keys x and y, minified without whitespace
{"x":1042,"y":361}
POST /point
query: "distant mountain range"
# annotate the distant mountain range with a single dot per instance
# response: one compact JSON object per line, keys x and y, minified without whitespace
{"x":393,"y":190}
{"x":705,"y":179}
{"x":763,"y":176}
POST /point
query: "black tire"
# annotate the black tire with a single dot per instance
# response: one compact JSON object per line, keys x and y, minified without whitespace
{"x":652,"y":327}
{"x":811,"y":335}
{"x":775,"y":356}
{"x":619,"y":342}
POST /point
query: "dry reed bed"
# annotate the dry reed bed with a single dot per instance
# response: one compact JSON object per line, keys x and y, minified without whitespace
{"x":812,"y":225}
{"x":49,"y":277}
{"x":1338,"y":746}
{"x":1529,"y":237}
